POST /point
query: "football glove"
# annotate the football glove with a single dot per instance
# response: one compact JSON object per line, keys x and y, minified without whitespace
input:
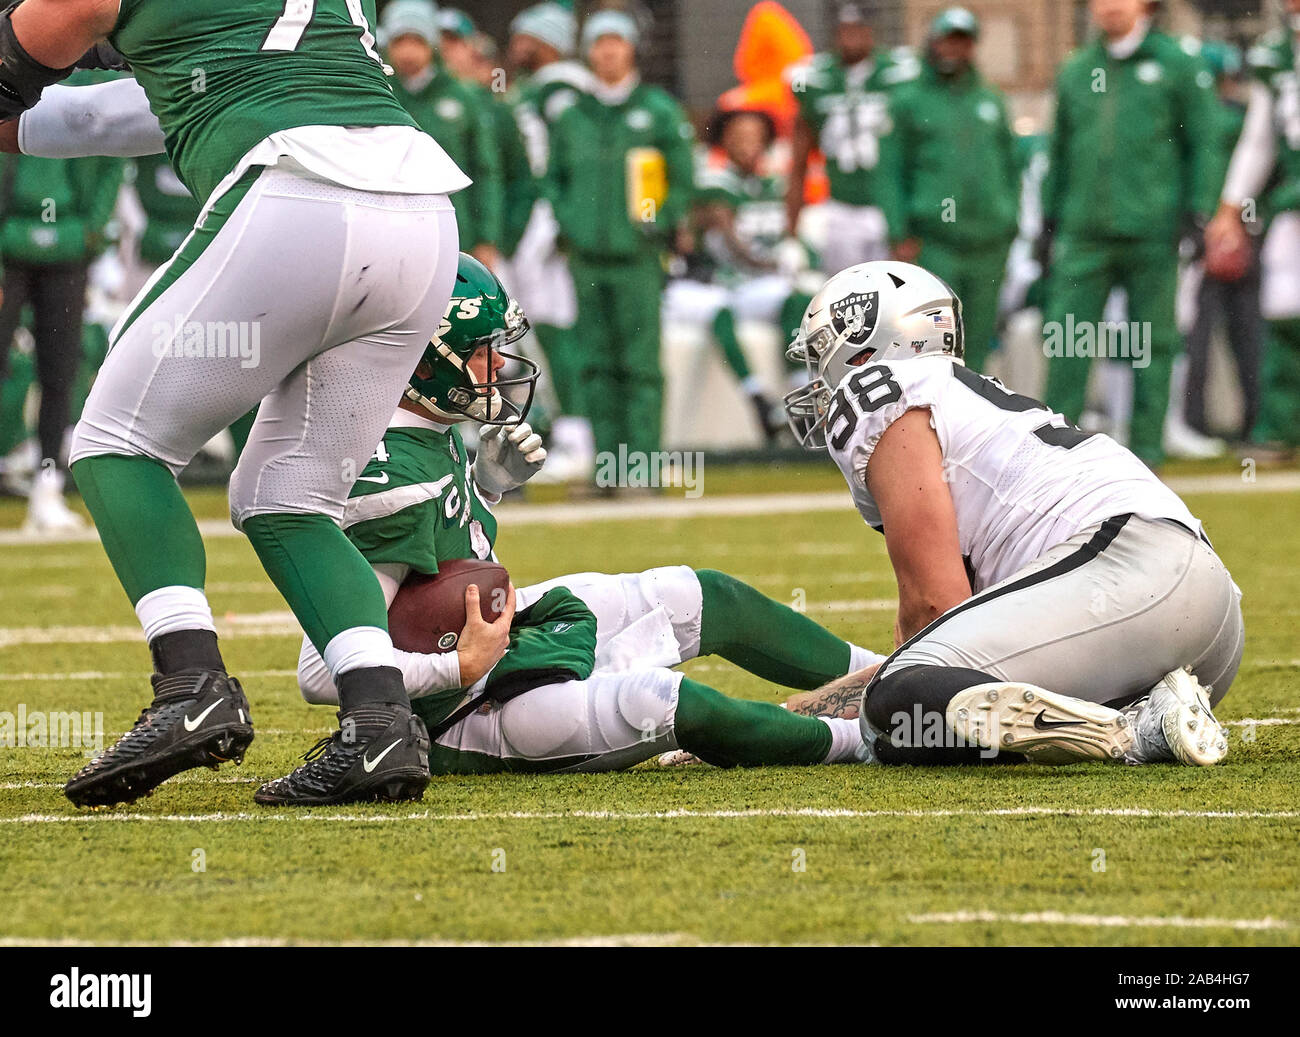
{"x":508,"y":456}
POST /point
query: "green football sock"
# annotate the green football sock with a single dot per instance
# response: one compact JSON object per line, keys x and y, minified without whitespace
{"x":768,"y":639}
{"x":146,"y":527}
{"x":323,"y":577}
{"x":724,"y":332}
{"x":730,"y":732}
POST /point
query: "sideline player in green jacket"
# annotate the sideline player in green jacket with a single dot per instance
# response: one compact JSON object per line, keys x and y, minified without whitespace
{"x":619,"y":181}
{"x":579,"y":677}
{"x":1268,"y":151}
{"x":324,"y":261}
{"x":452,"y":112}
{"x":843,"y":111}
{"x":1132,"y":167}
{"x":953,"y":179}
{"x":53,"y":214}
{"x":540,"y":53}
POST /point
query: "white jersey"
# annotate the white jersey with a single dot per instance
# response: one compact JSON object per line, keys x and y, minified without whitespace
{"x":1023,"y":479}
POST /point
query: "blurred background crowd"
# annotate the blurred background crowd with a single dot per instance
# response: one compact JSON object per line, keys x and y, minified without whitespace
{"x":663,"y":184}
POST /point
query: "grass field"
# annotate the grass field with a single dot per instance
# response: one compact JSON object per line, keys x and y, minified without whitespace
{"x":1014,"y":855}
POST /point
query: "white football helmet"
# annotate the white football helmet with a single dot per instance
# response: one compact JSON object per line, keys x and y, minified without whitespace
{"x":873,"y":311}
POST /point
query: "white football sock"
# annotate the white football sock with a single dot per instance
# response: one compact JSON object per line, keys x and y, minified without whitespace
{"x":359,"y":647}
{"x":847,"y":745}
{"x":169,"y":609}
{"x":860,"y":658}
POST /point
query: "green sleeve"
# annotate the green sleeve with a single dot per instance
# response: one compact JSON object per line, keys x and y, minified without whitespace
{"x":486,"y":172}
{"x":679,"y":158}
{"x":98,"y":181}
{"x":893,"y":180}
{"x":1203,"y":163}
{"x":407,"y":537}
{"x":552,"y":640}
{"x":1055,"y":180}
{"x":554,"y":185}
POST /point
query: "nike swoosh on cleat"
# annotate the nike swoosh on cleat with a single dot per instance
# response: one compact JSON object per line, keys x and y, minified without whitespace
{"x":1046,"y":725}
{"x":190,"y":725}
{"x":370,"y":765}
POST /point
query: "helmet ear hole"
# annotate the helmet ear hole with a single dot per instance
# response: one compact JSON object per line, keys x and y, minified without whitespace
{"x":424,"y":370}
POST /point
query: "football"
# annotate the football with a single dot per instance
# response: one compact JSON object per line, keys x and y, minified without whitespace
{"x":428,"y":613}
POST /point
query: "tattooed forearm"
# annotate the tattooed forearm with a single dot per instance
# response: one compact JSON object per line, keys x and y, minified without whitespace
{"x":840,"y":698}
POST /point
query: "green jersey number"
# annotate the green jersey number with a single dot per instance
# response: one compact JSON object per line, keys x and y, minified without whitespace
{"x":851,"y":136}
{"x":288,"y":29}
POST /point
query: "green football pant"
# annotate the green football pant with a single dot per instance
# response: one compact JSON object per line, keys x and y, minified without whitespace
{"x":1082,"y":276}
{"x":975,"y":274}
{"x":13,"y":401}
{"x":565,"y":364}
{"x":617,"y":335}
{"x":1279,"y":416}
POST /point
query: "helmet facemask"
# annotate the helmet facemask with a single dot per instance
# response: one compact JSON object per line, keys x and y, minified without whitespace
{"x":481,"y":321}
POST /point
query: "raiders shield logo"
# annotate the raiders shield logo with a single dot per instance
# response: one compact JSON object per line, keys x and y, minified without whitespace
{"x":855,"y":315}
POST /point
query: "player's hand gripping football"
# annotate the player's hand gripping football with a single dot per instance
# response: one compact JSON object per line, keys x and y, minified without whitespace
{"x":482,"y":644}
{"x":508,"y":456}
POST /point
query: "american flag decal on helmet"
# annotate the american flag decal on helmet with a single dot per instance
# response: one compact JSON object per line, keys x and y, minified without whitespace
{"x":942,"y":321}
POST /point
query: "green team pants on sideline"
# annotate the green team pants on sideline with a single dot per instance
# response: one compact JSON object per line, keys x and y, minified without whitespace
{"x":1279,"y":414}
{"x":1082,"y":275}
{"x":13,"y":400}
{"x":617,"y":337}
{"x":975,"y":274}
{"x":564,"y":361}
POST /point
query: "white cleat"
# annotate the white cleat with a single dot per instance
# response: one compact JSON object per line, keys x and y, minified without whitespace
{"x":47,"y":511}
{"x":1047,"y":727}
{"x":677,"y":758}
{"x":1173,"y":723}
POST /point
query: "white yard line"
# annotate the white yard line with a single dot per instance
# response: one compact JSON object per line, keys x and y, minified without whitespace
{"x":829,"y":813}
{"x":735,"y":505}
{"x":280,"y":623}
{"x":614,"y":940}
{"x":1100,"y":921}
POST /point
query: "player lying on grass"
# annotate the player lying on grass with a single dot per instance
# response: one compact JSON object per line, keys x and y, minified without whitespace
{"x":586,"y":684}
{"x":1056,"y":600}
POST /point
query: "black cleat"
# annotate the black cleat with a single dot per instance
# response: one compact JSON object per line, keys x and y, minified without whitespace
{"x":379,"y":754}
{"x":198,"y":718}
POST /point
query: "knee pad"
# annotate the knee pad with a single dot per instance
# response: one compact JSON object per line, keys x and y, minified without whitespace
{"x":677,"y":589}
{"x":547,"y":722}
{"x":645,"y":701}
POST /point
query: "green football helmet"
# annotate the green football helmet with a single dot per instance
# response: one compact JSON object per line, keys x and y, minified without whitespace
{"x":480,"y":315}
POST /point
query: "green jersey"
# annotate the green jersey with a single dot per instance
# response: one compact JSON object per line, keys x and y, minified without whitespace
{"x":415,"y":504}
{"x":847,"y":109}
{"x":1132,"y":150}
{"x":223,"y":76}
{"x":1273,"y":62}
{"x":758,"y":205}
{"x":457,"y":116}
{"x":620,"y":174}
{"x":950,"y":166}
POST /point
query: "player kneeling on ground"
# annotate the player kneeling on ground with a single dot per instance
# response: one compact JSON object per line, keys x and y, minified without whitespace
{"x":1056,"y":600}
{"x":586,"y":682}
